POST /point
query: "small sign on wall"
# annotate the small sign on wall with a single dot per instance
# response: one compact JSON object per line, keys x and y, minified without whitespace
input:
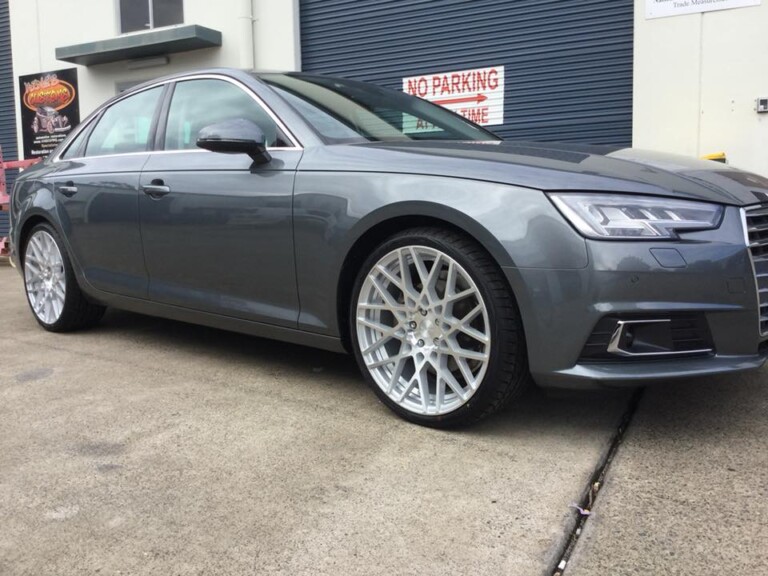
{"x":476,"y":94}
{"x":663,"y":8}
{"x":49,"y":110}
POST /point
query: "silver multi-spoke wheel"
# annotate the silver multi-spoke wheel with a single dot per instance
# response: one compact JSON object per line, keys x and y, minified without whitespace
{"x":52,"y":291}
{"x":45,"y":277}
{"x":423,"y":330}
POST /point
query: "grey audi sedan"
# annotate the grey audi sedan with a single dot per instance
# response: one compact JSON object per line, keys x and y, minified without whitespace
{"x":455,"y":266}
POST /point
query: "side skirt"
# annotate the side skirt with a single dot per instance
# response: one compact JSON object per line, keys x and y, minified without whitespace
{"x":190,"y":316}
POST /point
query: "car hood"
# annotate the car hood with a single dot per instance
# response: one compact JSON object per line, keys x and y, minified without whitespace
{"x":552,"y":167}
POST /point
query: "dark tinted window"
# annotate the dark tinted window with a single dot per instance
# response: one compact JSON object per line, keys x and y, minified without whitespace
{"x":138,"y":15}
{"x":345,"y":110}
{"x":200,"y":103}
{"x":125,"y":126}
{"x":134,"y":15}
{"x":167,"y":12}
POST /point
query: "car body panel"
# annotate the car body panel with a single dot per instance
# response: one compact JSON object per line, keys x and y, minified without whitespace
{"x":561,"y":308}
{"x":549,"y":168}
{"x":101,"y":220}
{"x":333,"y":210}
{"x":221,"y":241}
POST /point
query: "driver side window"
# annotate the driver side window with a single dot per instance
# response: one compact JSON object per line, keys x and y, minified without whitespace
{"x":200,"y":103}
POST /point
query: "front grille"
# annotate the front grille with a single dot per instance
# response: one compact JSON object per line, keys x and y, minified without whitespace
{"x":757,"y":234}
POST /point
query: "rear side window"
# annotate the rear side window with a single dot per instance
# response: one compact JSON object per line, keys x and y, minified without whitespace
{"x":200,"y":103}
{"x":75,"y":148}
{"x":125,"y":126}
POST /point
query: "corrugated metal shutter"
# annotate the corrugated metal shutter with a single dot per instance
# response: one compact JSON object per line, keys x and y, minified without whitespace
{"x":7,"y":87}
{"x":568,"y":63}
{"x":7,"y":110}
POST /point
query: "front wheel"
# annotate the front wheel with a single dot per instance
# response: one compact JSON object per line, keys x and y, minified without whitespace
{"x":435,"y":329}
{"x":52,"y":291}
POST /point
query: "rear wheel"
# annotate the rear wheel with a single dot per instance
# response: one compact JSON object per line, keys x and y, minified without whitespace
{"x":436,"y":330}
{"x":56,"y":300}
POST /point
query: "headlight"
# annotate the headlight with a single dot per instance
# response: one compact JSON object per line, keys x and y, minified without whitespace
{"x":625,"y":217}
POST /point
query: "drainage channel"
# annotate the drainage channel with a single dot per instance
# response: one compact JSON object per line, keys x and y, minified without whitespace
{"x":596,"y":481}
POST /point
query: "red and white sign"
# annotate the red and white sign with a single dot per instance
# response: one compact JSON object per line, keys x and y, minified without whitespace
{"x":477,"y":94}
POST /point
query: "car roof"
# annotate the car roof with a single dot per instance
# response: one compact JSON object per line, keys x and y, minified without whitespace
{"x":236,"y":73}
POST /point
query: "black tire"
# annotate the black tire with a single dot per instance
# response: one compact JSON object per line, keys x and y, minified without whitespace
{"x":78,"y":311}
{"x":507,"y":372}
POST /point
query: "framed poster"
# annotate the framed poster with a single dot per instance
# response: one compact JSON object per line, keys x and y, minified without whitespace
{"x":50,"y":108}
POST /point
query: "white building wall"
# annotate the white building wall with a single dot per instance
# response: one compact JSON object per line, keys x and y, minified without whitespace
{"x":696,"y":81}
{"x":256,"y":34}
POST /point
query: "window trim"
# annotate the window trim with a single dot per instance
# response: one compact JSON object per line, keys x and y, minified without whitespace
{"x":165,"y":103}
{"x":162,"y":123}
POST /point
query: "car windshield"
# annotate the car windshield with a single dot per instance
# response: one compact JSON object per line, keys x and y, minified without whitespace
{"x":350,"y":111}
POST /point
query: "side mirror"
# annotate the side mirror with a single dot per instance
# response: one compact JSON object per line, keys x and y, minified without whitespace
{"x":238,"y":136}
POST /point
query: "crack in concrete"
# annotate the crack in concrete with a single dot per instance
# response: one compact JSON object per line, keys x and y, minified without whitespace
{"x":583,"y":509}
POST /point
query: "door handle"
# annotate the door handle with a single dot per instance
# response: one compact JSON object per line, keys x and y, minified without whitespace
{"x":69,"y":189}
{"x":156,"y":189}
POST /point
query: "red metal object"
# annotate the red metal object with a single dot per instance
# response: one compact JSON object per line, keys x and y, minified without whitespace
{"x":4,"y":198}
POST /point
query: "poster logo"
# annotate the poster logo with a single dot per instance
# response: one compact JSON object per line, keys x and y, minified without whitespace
{"x":48,"y":91}
{"x":50,"y":110}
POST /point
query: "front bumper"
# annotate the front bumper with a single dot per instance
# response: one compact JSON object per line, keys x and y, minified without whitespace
{"x":713,"y":278}
{"x":639,"y":373}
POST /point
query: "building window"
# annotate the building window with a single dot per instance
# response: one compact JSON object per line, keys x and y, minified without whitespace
{"x":138,"y":15}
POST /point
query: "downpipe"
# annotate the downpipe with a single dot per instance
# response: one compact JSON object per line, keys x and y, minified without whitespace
{"x":245,"y":21}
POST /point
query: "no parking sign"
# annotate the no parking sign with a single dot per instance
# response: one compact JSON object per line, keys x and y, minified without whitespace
{"x":476,"y":94}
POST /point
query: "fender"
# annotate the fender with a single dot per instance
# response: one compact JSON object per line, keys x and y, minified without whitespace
{"x":429,"y":210}
{"x":335,"y":211}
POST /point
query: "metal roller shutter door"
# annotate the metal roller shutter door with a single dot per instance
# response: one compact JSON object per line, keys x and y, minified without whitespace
{"x":7,"y":109}
{"x":568,"y":63}
{"x":7,"y":86}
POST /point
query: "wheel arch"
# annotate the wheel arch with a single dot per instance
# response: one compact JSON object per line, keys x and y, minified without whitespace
{"x":32,"y":203}
{"x":375,"y":228}
{"x":27,"y":226}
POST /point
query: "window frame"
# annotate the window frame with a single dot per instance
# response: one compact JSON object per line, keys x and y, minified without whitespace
{"x":161,"y":115}
{"x":151,"y":6}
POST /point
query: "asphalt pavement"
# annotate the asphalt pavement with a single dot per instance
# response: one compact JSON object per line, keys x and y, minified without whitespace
{"x":146,"y":446}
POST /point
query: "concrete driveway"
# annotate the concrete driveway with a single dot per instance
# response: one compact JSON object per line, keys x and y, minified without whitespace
{"x":146,"y":446}
{"x":688,"y":490}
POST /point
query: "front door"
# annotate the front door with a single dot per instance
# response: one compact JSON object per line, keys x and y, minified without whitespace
{"x":217,"y":231}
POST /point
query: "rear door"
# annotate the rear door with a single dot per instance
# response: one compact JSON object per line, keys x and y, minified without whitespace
{"x":96,"y":185}
{"x":217,"y":230}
